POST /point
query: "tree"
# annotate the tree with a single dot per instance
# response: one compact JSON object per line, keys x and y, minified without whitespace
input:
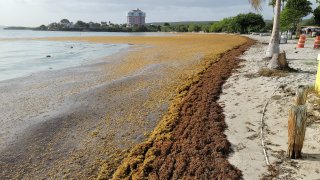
{"x":154,"y":28}
{"x":194,"y":28}
{"x":256,"y":4}
{"x":242,"y":23}
{"x":293,"y":13}
{"x":274,"y":46}
{"x":303,"y":7}
{"x":316,"y":14}
{"x":225,"y":25}
{"x":64,"y":21}
{"x":249,"y":22}
{"x":289,"y":20}
{"x":205,"y":28}
{"x":81,"y":25}
{"x":180,"y":28}
{"x":166,"y":28}
{"x":267,"y":27}
{"x":43,"y":28}
{"x":54,"y":27}
{"x":273,"y":3}
{"x":308,"y":22}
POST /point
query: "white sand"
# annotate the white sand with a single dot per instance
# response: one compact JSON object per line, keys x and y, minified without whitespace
{"x":244,"y":96}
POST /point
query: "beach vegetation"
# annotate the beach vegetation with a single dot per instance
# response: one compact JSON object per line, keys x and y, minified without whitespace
{"x":316,"y":14}
{"x":267,"y":27}
{"x":242,"y":23}
{"x":194,"y":28}
{"x":205,"y":27}
{"x":81,"y":24}
{"x":180,"y":28}
{"x":166,"y":28}
{"x":249,"y":22}
{"x":292,"y":14}
{"x":225,"y":25}
{"x":309,"y":22}
{"x":43,"y":28}
{"x":64,"y":21}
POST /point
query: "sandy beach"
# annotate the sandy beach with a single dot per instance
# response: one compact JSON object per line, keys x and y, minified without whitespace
{"x":184,"y":106}
{"x":159,"y":90}
{"x":244,"y":97}
{"x":70,"y":123}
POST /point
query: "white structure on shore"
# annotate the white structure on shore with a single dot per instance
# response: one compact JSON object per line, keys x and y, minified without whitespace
{"x":136,"y":17}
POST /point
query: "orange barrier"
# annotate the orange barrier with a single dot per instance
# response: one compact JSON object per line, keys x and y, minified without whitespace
{"x":302,"y":40}
{"x":317,"y":43}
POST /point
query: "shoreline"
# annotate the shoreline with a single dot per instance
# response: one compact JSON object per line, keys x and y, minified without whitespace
{"x":61,"y":34}
{"x":103,"y":112}
{"x":40,"y":77}
{"x":180,"y":136}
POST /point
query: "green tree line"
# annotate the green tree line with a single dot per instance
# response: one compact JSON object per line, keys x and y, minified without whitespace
{"x":292,"y":14}
{"x":242,"y":23}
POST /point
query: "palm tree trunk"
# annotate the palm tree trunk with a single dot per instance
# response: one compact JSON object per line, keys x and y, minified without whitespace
{"x":274,"y":47}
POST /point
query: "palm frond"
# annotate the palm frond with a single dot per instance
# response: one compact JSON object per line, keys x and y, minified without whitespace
{"x":256,"y":4}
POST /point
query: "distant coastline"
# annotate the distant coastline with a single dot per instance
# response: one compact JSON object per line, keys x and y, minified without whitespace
{"x":230,"y":25}
{"x":80,"y":26}
{"x":17,"y":28}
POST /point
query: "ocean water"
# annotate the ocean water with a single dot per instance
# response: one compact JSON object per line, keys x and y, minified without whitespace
{"x":40,"y":34}
{"x":20,"y":57}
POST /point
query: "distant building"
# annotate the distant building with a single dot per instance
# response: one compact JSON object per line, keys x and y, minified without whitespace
{"x":136,"y":17}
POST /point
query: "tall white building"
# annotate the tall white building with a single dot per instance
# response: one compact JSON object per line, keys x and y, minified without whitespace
{"x":136,"y":17}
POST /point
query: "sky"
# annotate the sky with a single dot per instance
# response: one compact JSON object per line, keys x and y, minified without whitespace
{"x":36,"y":12}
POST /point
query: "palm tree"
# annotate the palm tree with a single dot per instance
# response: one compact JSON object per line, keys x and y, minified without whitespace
{"x":256,"y":4}
{"x":274,"y":46}
{"x":273,"y":3}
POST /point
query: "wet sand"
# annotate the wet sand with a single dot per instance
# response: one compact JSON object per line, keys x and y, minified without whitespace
{"x":72,"y":122}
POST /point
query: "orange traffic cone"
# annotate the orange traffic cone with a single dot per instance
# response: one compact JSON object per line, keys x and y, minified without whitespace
{"x":302,"y":40}
{"x":317,"y":42}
